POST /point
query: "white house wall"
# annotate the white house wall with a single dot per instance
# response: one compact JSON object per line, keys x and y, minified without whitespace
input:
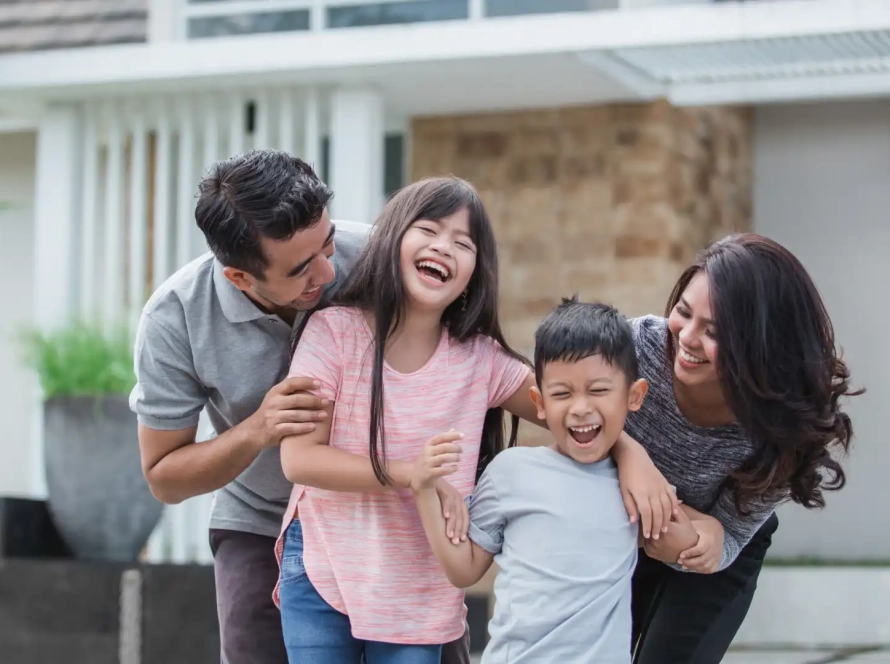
{"x":821,"y":188}
{"x":17,"y":386}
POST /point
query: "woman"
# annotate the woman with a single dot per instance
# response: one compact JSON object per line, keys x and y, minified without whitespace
{"x":742,"y":414}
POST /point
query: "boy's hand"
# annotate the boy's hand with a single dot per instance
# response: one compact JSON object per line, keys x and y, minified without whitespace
{"x":454,"y":510}
{"x":706,"y":555}
{"x":439,"y":458}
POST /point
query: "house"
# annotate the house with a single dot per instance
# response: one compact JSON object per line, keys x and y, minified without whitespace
{"x":610,"y":139}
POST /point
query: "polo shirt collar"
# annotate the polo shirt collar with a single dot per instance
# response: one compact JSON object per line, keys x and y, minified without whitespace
{"x":236,"y":306}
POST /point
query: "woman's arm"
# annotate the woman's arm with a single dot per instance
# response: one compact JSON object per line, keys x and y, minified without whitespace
{"x":309,"y":460}
{"x":724,"y":533}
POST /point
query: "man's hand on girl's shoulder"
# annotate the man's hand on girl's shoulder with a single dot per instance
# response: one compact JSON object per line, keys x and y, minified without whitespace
{"x":289,"y":409}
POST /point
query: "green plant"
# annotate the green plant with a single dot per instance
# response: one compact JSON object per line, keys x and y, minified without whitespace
{"x":81,"y":359}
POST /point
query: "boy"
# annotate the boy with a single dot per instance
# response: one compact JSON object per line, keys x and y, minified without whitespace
{"x":552,"y":517}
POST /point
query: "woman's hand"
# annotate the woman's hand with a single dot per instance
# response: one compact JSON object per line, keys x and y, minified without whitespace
{"x":680,"y":536}
{"x":647,"y":494}
{"x":454,"y":510}
{"x":705,"y":556}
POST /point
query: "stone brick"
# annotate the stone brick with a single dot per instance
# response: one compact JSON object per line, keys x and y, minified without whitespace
{"x":611,"y":202}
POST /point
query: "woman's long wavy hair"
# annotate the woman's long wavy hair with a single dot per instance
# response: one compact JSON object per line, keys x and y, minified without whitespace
{"x":376,"y":285}
{"x":779,"y":371}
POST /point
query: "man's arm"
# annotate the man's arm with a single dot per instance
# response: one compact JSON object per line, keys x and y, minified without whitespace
{"x":168,"y":399}
{"x":464,"y":563}
{"x":177,"y":469}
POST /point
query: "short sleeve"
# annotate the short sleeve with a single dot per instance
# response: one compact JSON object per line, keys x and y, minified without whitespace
{"x":507,"y":373}
{"x":486,"y":514}
{"x":318,"y":355}
{"x":168,"y":395}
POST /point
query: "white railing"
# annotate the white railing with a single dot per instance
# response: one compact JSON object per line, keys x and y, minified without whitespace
{"x":141,"y":163}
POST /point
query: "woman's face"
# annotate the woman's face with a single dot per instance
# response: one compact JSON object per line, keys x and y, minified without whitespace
{"x":695,"y":336}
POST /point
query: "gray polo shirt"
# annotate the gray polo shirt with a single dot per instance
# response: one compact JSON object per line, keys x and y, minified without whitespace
{"x":565,"y":553}
{"x":202,"y":344}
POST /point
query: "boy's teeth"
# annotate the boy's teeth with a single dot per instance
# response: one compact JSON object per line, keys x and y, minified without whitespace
{"x":586,"y":429}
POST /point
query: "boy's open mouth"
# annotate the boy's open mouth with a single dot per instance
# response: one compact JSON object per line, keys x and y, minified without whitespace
{"x":433,"y":271}
{"x":584,"y":435}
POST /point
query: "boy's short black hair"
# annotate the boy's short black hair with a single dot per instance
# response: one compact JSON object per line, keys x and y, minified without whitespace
{"x":576,"y":330}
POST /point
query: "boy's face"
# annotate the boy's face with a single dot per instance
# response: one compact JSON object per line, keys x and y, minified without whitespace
{"x":585,"y":404}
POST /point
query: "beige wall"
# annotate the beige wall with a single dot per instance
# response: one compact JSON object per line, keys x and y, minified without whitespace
{"x":611,"y":202}
{"x":17,"y":386}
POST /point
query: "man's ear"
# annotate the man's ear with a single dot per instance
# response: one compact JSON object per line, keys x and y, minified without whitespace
{"x":242,"y":280}
{"x":636,"y":394}
{"x":538,"y":400}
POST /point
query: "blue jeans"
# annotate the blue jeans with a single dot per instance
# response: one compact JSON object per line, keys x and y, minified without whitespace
{"x":316,"y":633}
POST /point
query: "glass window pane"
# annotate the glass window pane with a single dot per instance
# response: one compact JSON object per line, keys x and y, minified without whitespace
{"x":394,"y":162}
{"x":389,"y":13}
{"x":244,"y":24}
{"x":521,"y":7}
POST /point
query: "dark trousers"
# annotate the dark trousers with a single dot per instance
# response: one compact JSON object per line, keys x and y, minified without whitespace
{"x":249,"y":622}
{"x":689,"y":618}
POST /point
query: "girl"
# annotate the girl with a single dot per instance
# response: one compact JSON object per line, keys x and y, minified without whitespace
{"x":742,"y":413}
{"x":413,"y":351}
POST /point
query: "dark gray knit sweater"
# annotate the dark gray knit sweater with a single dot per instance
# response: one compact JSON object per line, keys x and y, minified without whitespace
{"x":697,"y":460}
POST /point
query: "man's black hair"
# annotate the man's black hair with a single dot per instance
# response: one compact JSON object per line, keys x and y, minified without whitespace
{"x":261,"y":193}
{"x":576,"y":330}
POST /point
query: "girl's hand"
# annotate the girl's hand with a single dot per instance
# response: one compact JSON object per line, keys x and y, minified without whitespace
{"x":647,"y":494}
{"x":454,"y":510}
{"x":438,"y":458}
{"x":705,"y":556}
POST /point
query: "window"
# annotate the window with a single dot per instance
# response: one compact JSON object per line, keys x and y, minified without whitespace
{"x":393,"y":162}
{"x":243,"y":24}
{"x":390,"y":13}
{"x":522,"y":7}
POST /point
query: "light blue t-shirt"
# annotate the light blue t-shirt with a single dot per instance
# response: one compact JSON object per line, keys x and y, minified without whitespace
{"x":565,"y":552}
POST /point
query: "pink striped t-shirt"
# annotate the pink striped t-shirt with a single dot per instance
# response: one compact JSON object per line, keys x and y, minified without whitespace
{"x":367,"y":554}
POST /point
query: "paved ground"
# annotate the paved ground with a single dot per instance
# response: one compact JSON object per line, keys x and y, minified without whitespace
{"x":799,"y":657}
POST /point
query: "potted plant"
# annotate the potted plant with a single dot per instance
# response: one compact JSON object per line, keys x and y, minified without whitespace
{"x":98,"y":496}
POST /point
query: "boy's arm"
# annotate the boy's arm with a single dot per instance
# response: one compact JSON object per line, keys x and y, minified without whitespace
{"x":464,"y":563}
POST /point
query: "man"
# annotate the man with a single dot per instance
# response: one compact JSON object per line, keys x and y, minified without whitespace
{"x":216,"y":336}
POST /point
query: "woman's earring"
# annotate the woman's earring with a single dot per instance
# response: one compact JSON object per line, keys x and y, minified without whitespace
{"x":463,"y":301}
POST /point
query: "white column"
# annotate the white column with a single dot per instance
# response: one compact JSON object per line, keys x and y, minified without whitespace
{"x":56,"y":218}
{"x":356,"y":168}
{"x":312,"y":131}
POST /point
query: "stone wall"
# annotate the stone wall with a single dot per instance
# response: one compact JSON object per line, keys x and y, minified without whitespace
{"x":611,"y":202}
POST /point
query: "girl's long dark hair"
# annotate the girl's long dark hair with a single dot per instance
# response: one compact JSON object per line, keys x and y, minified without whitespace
{"x":375,"y":285}
{"x":779,"y":371}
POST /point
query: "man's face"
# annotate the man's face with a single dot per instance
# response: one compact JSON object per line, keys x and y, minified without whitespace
{"x":297,"y":270}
